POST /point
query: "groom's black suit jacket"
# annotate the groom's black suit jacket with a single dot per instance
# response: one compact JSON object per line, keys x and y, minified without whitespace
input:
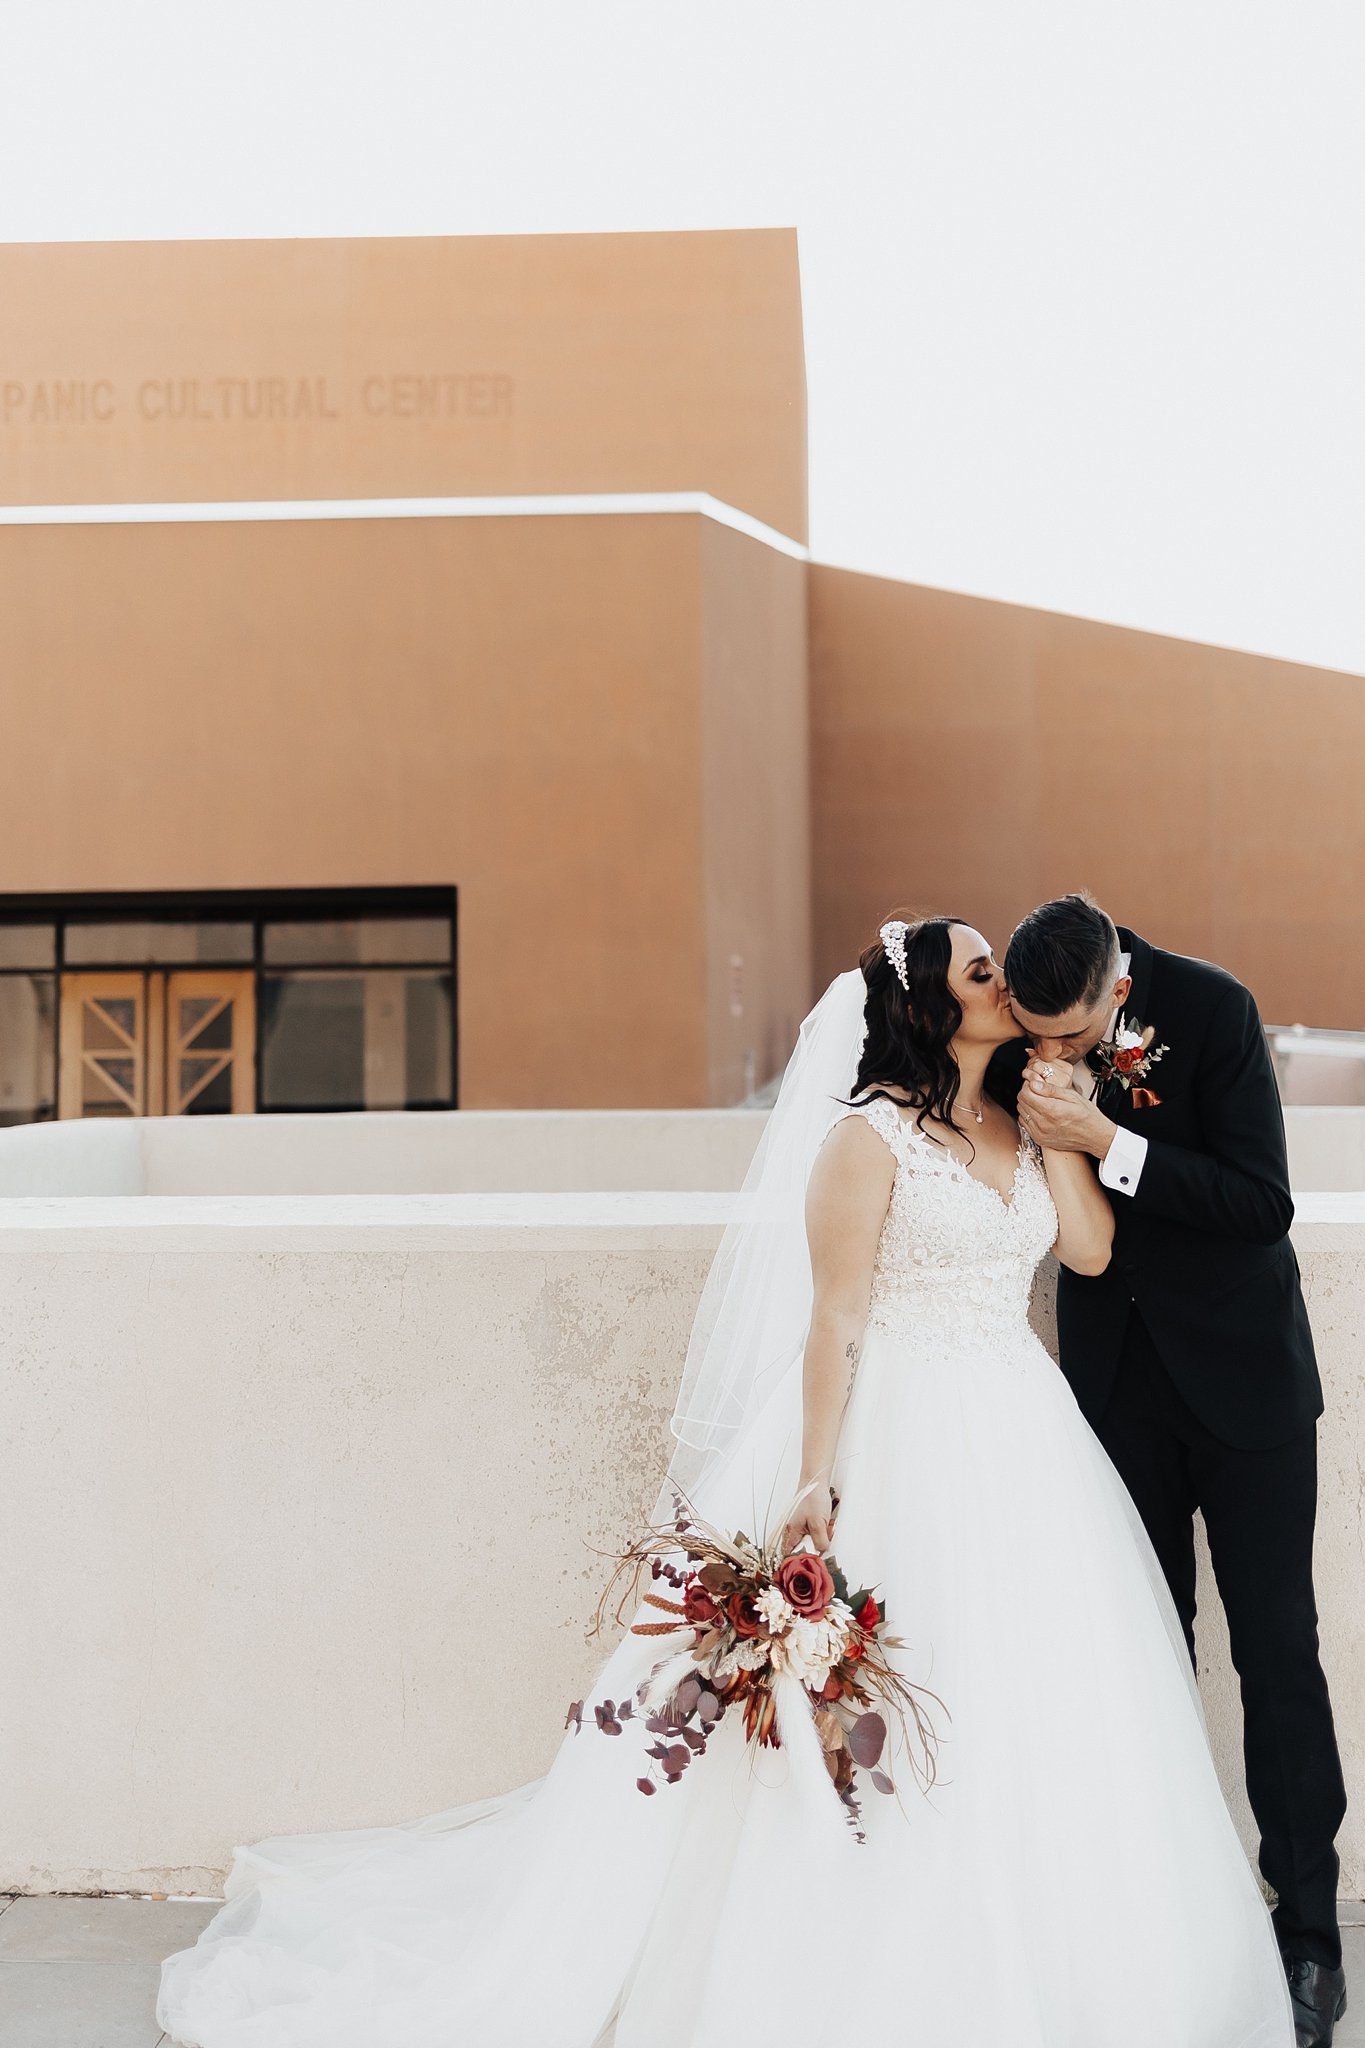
{"x":1201,"y":1249}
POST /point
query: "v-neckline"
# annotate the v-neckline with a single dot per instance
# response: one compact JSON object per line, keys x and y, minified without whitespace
{"x":1006,"y":1201}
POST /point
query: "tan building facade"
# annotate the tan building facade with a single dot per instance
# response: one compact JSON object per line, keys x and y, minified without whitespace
{"x":416,"y":693}
{"x":987,"y":756}
{"x":405,"y":367}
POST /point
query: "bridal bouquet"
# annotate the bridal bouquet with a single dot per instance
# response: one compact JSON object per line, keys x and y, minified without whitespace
{"x":755,"y":1617}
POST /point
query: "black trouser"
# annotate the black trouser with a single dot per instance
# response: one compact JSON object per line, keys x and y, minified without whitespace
{"x":1259,"y":1509}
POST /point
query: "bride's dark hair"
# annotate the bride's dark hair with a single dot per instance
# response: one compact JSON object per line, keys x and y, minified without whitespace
{"x":910,"y":1031}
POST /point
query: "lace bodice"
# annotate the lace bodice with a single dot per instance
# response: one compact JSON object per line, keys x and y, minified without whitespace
{"x":953,"y":1254}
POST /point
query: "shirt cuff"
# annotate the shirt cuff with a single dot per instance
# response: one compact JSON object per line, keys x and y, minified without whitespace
{"x":1121,"y":1166}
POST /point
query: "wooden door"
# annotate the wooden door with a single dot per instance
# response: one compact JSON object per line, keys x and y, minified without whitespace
{"x":210,"y":1062}
{"x":158,"y":1043}
{"x":103,"y":1037}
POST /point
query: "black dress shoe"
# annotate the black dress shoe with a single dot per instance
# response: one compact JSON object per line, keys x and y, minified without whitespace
{"x":1318,"y":1996}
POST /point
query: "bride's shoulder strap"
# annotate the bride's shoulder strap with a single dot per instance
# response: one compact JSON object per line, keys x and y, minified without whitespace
{"x":884,"y":1119}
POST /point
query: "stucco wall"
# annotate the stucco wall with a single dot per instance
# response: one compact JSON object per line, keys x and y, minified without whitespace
{"x":279,"y":1494}
{"x":512,"y":705}
{"x":978,"y":757}
{"x":383,"y":1153}
{"x":406,"y":366}
{"x":756,"y":836}
{"x":1326,"y":1147}
{"x":279,"y":1476}
{"x":465,"y":1151}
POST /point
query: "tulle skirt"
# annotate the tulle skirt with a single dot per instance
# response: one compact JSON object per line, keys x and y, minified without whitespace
{"x":1073,"y":1880}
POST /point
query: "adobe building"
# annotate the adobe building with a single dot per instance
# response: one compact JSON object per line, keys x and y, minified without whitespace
{"x":416,"y":693}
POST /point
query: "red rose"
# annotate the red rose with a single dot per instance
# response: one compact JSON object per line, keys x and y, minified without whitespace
{"x":745,"y":1619}
{"x":804,"y":1581}
{"x":869,"y":1615}
{"x":701,"y":1608}
{"x":1128,"y":1057}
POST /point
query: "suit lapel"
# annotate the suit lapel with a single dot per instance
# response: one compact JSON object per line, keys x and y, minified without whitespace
{"x":1140,"y":960}
{"x":1117,"y":1102}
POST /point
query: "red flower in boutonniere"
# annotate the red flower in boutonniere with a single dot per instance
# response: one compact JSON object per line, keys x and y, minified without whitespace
{"x":1128,"y":1057}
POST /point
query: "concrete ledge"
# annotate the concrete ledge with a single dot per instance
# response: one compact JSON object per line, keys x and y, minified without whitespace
{"x":366,"y":1222}
{"x":1312,"y":1210}
{"x":466,"y":1151}
{"x":408,"y":1152}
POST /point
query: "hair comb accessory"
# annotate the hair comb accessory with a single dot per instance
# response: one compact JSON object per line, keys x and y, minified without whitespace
{"x":892,"y":936}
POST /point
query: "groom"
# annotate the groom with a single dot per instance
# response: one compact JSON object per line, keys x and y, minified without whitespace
{"x":1191,"y":1355}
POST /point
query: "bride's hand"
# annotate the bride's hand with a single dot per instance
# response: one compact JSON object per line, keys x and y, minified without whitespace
{"x":1049,"y":1077}
{"x":814,"y":1517}
{"x":1046,"y":1082}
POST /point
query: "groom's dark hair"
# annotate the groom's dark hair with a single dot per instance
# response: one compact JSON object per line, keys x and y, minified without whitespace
{"x":1061,"y":955}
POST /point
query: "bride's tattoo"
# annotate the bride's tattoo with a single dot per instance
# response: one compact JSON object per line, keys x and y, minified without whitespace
{"x":851,"y":1354}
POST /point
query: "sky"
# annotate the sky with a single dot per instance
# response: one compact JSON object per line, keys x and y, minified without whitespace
{"x":1084,"y":284}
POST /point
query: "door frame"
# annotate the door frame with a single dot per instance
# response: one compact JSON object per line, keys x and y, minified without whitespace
{"x":236,"y":985}
{"x":155,"y":991}
{"x":118,"y":984}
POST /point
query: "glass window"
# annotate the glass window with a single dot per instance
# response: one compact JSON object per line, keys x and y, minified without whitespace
{"x":312,"y":1041}
{"x":214,"y":942}
{"x":429,"y":1076}
{"x":28,"y":945}
{"x":205,"y":1098}
{"x":362,"y":941}
{"x":356,"y":1041}
{"x":28,"y":1083}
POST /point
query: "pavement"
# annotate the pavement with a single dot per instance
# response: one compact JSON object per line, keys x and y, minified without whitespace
{"x":81,"y":1972}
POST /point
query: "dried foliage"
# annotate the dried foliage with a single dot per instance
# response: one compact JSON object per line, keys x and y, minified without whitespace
{"x":744,"y":1613}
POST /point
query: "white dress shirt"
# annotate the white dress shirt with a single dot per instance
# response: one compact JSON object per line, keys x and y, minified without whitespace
{"x":1121,"y":1166}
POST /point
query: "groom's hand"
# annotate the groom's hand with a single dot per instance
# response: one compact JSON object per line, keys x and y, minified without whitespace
{"x":1057,"y":1115}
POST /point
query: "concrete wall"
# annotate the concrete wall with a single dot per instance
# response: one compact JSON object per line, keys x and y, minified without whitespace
{"x":406,"y":1152}
{"x":979,"y":757}
{"x":1315,"y":1068}
{"x":266,"y":1461}
{"x":1326,"y":1148}
{"x":413,"y":366}
{"x":465,"y":1151}
{"x":274,"y":1485}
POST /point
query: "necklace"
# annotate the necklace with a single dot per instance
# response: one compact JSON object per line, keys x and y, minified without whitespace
{"x":979,"y":1114}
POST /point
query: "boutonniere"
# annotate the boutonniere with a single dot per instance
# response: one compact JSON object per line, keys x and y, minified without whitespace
{"x":1127,"y":1058}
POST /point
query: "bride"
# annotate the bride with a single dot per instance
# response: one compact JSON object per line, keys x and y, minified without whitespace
{"x":1071,"y":1880}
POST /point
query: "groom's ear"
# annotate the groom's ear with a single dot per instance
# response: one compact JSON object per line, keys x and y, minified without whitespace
{"x":1123,"y":988}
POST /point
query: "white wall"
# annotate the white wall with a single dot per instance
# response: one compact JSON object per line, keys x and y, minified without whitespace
{"x":1326,"y":1148}
{"x":455,"y":1151}
{"x":275,"y":1472}
{"x":276,"y":1477}
{"x":72,"y":1159}
{"x":406,"y":1152}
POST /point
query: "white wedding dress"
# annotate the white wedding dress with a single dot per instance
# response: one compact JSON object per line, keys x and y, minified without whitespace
{"x":1073,"y":1880}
